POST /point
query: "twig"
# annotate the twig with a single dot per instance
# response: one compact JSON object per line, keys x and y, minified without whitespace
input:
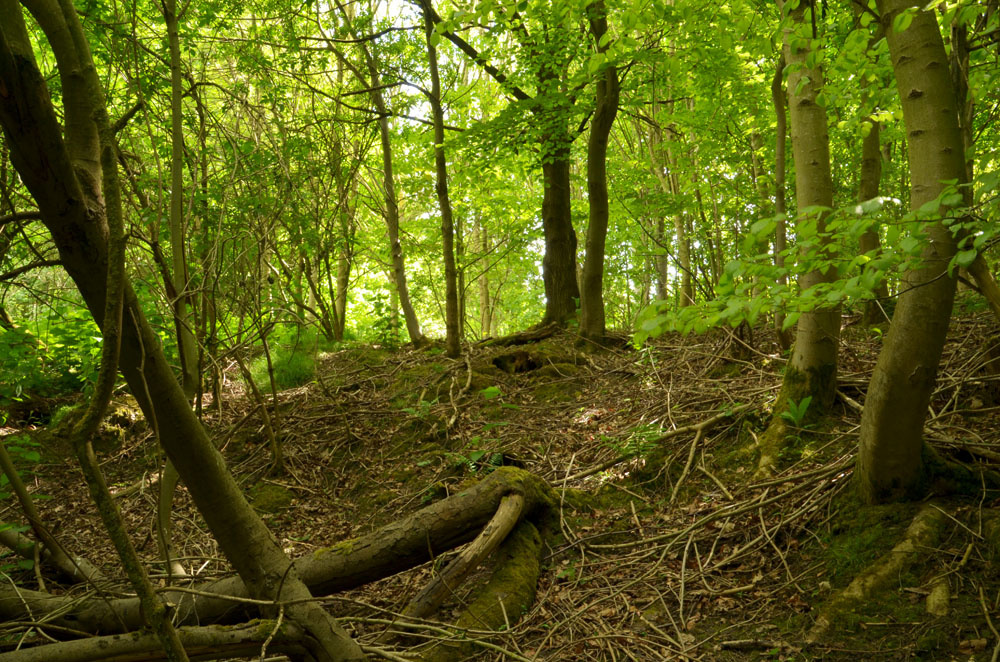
{"x":989,"y":622}
{"x":697,"y":428}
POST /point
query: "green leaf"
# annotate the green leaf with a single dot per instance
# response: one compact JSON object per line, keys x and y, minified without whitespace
{"x":966,"y":258}
{"x":953,"y":200}
{"x":930,"y":207}
{"x":490,"y":392}
{"x":909,"y":245}
{"x":903,"y":21}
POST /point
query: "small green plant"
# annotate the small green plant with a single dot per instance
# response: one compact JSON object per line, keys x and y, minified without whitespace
{"x":795,"y":414}
{"x":490,"y":392}
{"x":385,"y":324}
{"x":640,"y":440}
{"x":477,"y":460}
{"x":62,"y":358}
{"x":422,"y":408}
{"x":24,"y":454}
{"x":293,"y":358}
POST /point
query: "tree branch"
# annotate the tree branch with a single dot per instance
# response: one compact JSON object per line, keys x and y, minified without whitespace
{"x":14,"y":273}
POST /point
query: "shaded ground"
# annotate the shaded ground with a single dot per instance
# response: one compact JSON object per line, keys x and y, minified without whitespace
{"x":676,"y":553}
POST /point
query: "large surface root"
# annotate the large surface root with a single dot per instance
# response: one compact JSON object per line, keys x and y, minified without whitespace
{"x":396,"y":547}
{"x":922,"y":534}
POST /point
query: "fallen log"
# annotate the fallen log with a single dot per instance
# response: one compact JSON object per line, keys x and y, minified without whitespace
{"x":211,"y":642}
{"x":396,"y":547}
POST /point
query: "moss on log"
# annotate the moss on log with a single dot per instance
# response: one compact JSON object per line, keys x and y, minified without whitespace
{"x":401,"y":545}
{"x":500,"y":603}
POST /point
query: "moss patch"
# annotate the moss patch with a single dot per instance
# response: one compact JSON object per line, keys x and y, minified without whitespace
{"x":508,"y":595}
{"x":270,"y":498}
{"x":860,"y":533}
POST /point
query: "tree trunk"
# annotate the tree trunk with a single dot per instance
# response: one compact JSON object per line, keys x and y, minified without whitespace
{"x":812,"y":368}
{"x":62,"y":172}
{"x":187,"y":348}
{"x":392,"y":207}
{"x":452,"y":322}
{"x":662,"y":272}
{"x":811,"y":371}
{"x":485,"y":300}
{"x":890,"y":459}
{"x":869,"y":182}
{"x":559,"y":264}
{"x":868,"y":185}
{"x":592,"y":321}
{"x":778,"y":98}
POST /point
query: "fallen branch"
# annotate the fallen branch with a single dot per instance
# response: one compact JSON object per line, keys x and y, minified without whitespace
{"x":444,"y":584}
{"x":73,"y":569}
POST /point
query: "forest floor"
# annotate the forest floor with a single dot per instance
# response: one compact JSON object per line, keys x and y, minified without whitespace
{"x":674,"y":551}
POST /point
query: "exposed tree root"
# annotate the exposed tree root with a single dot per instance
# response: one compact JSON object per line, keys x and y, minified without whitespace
{"x":211,"y":642}
{"x":771,"y":442}
{"x":509,"y":593}
{"x":923,"y":533}
{"x":444,"y":584}
{"x":396,"y":547}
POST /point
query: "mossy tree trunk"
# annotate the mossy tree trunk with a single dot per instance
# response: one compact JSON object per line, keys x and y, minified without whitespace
{"x":890,"y":460}
{"x":812,"y":368}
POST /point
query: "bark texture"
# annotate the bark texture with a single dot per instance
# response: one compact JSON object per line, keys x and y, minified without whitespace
{"x":890,"y":459}
{"x":592,"y":322}
{"x":562,"y":292}
{"x":63,"y":173}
